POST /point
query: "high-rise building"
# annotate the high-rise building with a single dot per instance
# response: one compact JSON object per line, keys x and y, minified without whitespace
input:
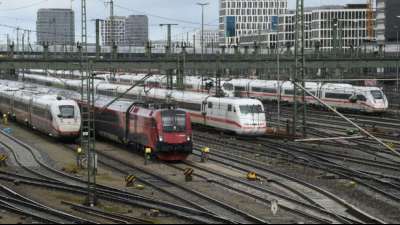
{"x":137,"y":30}
{"x":55,"y":26}
{"x":325,"y":27}
{"x":243,"y":17}
{"x":388,"y":20}
{"x":113,"y":33}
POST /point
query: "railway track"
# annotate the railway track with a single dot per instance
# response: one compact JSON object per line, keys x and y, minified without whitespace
{"x":199,"y":200}
{"x":26,"y":204}
{"x":243,"y":159}
{"x":309,"y":211}
{"x":31,"y":163}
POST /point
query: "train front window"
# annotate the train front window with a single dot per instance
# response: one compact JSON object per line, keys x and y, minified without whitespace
{"x":378,"y":95}
{"x":67,"y":112}
{"x":174,"y":121}
{"x":251,"y":109}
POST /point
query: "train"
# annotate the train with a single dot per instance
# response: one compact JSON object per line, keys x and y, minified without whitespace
{"x":51,"y":114}
{"x":240,"y":116}
{"x":163,"y":128}
{"x":340,"y":96}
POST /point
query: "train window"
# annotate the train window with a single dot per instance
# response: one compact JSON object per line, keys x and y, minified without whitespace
{"x":229,"y":108}
{"x":289,"y":92}
{"x":190,"y":106}
{"x":67,"y":112}
{"x":210,"y":105}
{"x":238,"y":88}
{"x":228,"y":87}
{"x":265,"y":90}
{"x":39,"y":112}
{"x":337,"y":95}
{"x":247,"y":109}
{"x":20,"y":105}
{"x":377,"y":95}
{"x":174,"y":121}
{"x":361,"y":98}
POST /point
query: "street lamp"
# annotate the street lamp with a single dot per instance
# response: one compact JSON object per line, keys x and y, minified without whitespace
{"x":202,"y":25}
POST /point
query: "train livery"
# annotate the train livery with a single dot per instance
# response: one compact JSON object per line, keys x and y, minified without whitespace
{"x":341,"y":96}
{"x":238,"y":115}
{"x":166,"y":130}
{"x":50,"y":114}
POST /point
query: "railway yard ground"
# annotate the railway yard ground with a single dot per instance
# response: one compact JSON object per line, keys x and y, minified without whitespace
{"x":343,"y":181}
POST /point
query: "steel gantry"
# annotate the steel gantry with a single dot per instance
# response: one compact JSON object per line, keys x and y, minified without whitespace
{"x":87,"y":112}
{"x":299,"y":108}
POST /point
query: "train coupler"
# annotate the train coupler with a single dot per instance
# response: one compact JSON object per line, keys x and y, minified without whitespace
{"x":3,"y":160}
{"x":204,"y":154}
{"x":130,"y":180}
{"x":189,"y":174}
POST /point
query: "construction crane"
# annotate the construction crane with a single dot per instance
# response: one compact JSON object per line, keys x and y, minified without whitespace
{"x":370,"y":20}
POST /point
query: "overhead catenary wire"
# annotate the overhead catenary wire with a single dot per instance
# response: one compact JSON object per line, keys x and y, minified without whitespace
{"x":26,"y":6}
{"x":39,"y":32}
{"x":347,"y":119}
{"x":159,"y":16}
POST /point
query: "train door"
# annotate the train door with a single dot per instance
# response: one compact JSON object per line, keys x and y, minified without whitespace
{"x":229,"y":116}
{"x":30,"y":103}
{"x":248,"y":89}
{"x":361,"y":102}
{"x":11,"y":105}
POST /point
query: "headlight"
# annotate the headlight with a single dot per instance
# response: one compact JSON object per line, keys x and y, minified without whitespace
{"x":161,"y":139}
{"x":188,"y":138}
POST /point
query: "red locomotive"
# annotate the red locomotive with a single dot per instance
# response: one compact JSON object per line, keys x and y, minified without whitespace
{"x":166,"y":130}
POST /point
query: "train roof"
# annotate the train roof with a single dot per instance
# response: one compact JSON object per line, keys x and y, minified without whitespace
{"x":236,"y":101}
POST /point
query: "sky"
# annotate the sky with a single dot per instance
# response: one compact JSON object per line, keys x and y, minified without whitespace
{"x":22,"y":13}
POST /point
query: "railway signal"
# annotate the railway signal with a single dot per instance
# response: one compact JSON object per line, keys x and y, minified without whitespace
{"x":204,"y":154}
{"x":5,"y":119}
{"x":189,"y":174}
{"x":3,"y":160}
{"x":147,"y":155}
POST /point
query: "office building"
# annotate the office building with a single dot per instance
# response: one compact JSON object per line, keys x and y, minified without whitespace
{"x":245,"y":17}
{"x":113,"y":33}
{"x":137,"y":30}
{"x":55,"y":26}
{"x":326,"y":27}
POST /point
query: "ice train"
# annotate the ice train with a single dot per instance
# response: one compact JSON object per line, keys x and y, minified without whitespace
{"x":238,"y":115}
{"x":50,"y":114}
{"x":341,"y":96}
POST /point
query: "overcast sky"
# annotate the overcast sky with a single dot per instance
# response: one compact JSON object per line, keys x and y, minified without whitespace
{"x":186,"y":13}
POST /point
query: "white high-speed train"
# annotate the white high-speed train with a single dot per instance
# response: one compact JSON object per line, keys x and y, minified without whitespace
{"x":239,"y":115}
{"x":341,"y":96}
{"x":50,"y":114}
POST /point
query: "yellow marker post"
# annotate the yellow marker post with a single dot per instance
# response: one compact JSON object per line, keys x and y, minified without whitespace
{"x":147,"y":155}
{"x":78,"y":157}
{"x":5,"y":119}
{"x":204,"y":154}
{"x":252,"y":176}
{"x":3,"y":160}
